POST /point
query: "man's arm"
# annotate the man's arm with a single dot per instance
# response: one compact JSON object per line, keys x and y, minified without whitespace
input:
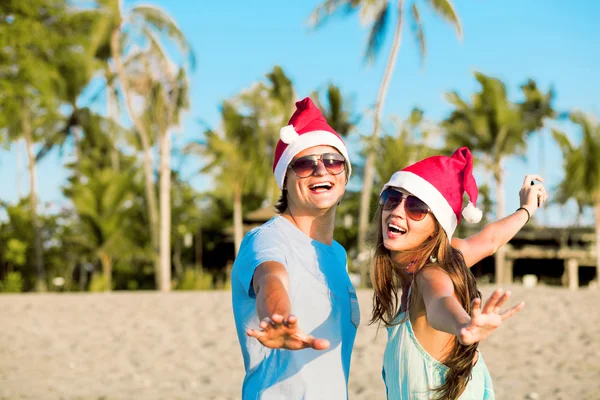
{"x":278,"y":327}
{"x":486,"y":242}
{"x":270,"y":283}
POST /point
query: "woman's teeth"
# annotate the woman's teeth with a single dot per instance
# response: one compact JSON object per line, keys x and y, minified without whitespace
{"x":396,"y":229}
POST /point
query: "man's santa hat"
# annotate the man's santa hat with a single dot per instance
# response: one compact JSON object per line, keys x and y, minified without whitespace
{"x":306,"y":128}
{"x":440,"y":182}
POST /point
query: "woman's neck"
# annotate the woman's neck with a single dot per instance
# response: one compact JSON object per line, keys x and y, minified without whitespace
{"x":317,"y":227}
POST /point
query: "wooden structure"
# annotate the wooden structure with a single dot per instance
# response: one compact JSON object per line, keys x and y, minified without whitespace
{"x":574,"y":246}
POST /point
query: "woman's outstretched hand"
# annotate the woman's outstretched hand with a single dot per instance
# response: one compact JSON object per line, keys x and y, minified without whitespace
{"x":484,"y":321}
{"x":278,"y":332}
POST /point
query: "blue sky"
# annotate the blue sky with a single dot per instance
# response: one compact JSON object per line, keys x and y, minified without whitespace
{"x":237,"y":43}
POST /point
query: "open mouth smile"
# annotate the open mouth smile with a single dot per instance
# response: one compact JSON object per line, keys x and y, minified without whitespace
{"x":320,"y":187}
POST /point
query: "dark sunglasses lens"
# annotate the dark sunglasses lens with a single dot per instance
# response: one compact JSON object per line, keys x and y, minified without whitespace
{"x":415,"y":208}
{"x":334,"y":163}
{"x":305,"y":166}
{"x":390,"y":199}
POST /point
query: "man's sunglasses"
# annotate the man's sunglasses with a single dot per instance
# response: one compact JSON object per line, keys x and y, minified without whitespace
{"x":413,"y":206}
{"x":305,"y":166}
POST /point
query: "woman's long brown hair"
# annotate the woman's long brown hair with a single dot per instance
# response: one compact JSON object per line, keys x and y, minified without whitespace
{"x":387,"y":286}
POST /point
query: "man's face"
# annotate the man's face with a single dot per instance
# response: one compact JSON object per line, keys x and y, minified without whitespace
{"x":321,"y":190}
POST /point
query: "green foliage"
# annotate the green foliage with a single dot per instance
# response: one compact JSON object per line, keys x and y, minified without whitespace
{"x":16,"y":252}
{"x":408,"y":146}
{"x":376,"y":14}
{"x":192,"y":280}
{"x":13,"y":283}
{"x":97,"y":284}
{"x":581,"y":163}
{"x":337,"y":110}
{"x":491,"y":124}
{"x":251,"y":120}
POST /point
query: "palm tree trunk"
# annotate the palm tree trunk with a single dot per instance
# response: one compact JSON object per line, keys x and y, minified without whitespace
{"x":147,"y":151}
{"x":238,"y":228}
{"x":499,"y":256}
{"x":19,"y":170}
{"x":39,"y":259}
{"x":165,"y":211}
{"x":106,"y":261}
{"x":198,"y":252}
{"x":177,"y":264}
{"x":597,"y":220}
{"x":111,"y":106}
{"x":369,"y":171}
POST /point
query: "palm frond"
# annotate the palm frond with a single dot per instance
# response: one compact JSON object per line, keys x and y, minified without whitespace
{"x":417,"y":30}
{"x":377,"y":33}
{"x":446,"y":10}
{"x":321,"y":14}
{"x":563,"y":141}
{"x":162,"y":22}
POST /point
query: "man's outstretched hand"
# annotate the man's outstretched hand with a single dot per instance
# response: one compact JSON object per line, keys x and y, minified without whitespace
{"x":278,"y":332}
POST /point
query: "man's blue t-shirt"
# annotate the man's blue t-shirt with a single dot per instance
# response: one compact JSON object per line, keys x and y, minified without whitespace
{"x":323,"y":299}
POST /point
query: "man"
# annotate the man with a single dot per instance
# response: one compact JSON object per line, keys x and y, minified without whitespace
{"x":291,"y":264}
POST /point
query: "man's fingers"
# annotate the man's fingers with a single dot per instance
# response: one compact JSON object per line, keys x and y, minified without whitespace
{"x":265,"y":323}
{"x":291,"y":322}
{"x":313,"y":342}
{"x":320,"y":344}
{"x":512,"y":311}
{"x":277,"y":320}
{"x":255,"y":333}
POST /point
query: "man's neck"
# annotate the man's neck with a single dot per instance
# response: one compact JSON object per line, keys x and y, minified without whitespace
{"x":317,"y":227}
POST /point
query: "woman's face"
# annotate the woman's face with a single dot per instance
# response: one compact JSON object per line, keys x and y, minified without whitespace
{"x":322,"y":189}
{"x":401,"y":231}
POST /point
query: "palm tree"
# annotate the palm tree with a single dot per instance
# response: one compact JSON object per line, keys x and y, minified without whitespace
{"x":237,"y":169}
{"x":582,"y":171}
{"x":103,"y":197}
{"x":377,"y":13}
{"x":166,"y":97}
{"x":494,"y":128}
{"x":251,"y":120}
{"x":271,"y":103}
{"x":32,"y":87}
{"x":338,"y":111}
{"x":142,"y":25}
{"x":408,"y":146}
{"x":101,"y":204}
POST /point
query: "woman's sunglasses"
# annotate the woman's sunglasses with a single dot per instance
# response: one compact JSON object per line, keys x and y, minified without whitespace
{"x":305,"y":166}
{"x":414,"y":208}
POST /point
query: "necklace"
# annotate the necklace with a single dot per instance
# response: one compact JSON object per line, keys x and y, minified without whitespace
{"x":410,"y":268}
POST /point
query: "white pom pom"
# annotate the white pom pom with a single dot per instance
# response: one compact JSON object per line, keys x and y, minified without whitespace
{"x":472,"y":214}
{"x":288,"y":134}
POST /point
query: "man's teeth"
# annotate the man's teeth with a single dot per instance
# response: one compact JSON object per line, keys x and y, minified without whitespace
{"x":396,"y":229}
{"x":324,"y":185}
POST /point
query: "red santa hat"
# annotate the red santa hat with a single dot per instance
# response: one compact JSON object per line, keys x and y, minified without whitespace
{"x":440,"y":182}
{"x":306,"y":128}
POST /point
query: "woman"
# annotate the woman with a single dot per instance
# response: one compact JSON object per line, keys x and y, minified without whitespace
{"x":435,"y":327}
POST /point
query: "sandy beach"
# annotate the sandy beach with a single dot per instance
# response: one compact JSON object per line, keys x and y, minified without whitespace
{"x":183,"y":345}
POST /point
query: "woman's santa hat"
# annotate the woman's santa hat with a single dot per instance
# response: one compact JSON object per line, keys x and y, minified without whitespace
{"x":306,"y":128}
{"x":440,"y":182}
